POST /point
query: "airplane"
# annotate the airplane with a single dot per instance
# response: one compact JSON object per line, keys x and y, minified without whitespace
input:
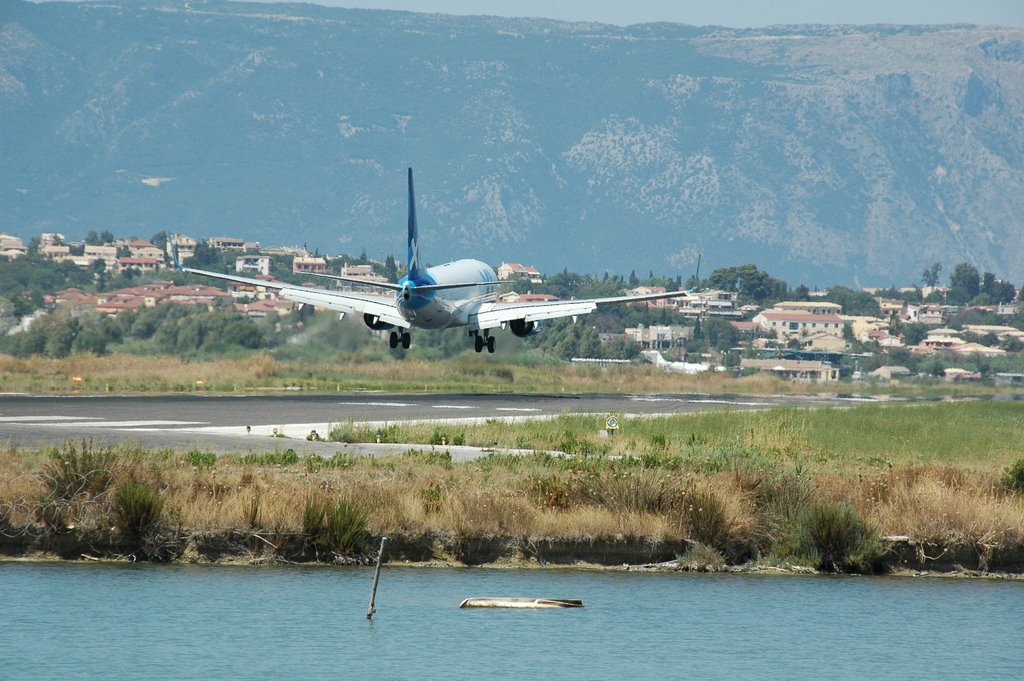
{"x":462,"y":293}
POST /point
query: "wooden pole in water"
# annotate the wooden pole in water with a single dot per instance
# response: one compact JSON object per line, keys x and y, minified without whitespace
{"x":376,"y":578}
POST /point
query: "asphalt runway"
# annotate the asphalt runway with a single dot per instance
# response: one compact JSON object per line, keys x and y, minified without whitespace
{"x":248,"y":423}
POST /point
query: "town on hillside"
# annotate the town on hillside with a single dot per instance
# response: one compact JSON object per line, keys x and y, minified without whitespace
{"x":739,"y":319}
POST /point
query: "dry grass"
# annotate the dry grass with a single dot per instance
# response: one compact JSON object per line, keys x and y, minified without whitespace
{"x":134,"y":373}
{"x":539,"y":497}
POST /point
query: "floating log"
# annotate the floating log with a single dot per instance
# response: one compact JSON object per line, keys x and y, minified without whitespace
{"x":532,"y":603}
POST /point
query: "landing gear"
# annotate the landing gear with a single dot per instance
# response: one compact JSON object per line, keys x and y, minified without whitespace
{"x":402,"y":338}
{"x":480,"y":342}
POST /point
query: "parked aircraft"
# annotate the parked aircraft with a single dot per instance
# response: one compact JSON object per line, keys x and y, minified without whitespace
{"x":462,"y":293}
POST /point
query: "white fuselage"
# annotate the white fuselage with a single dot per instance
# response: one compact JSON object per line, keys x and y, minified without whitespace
{"x":447,"y":307}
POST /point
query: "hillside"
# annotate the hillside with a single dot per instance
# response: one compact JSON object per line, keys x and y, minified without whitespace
{"x":823,"y":153}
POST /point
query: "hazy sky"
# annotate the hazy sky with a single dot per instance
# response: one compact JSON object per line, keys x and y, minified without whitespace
{"x":735,"y":13}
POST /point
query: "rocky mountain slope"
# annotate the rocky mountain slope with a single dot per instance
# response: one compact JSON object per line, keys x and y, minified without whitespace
{"x":822,"y":153}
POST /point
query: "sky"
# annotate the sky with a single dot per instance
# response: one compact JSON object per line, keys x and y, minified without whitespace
{"x":732,"y":13}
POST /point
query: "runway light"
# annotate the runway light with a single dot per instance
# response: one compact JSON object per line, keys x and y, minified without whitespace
{"x":77,"y":379}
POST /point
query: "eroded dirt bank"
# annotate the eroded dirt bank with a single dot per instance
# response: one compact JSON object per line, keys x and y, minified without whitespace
{"x":246,"y":547}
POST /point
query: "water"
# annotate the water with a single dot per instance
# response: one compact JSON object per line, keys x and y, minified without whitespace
{"x":64,"y":621}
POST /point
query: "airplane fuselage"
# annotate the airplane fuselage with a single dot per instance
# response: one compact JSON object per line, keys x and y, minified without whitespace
{"x":447,"y":307}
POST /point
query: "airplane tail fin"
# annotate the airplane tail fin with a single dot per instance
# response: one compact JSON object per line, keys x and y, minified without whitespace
{"x":414,"y":249}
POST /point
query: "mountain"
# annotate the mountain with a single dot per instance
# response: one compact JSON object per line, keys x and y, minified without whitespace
{"x":825,"y":154}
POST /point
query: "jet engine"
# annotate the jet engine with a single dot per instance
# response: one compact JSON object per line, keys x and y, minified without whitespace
{"x":375,"y":323}
{"x":523,"y":328}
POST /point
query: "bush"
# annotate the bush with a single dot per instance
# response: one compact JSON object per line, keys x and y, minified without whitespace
{"x":632,"y":490}
{"x":1013,"y":477}
{"x":78,"y":471}
{"x":339,"y":527}
{"x":286,"y":458}
{"x":76,"y":480}
{"x":701,"y":558}
{"x":199,"y":459}
{"x":707,"y":519}
{"x":842,"y":539}
{"x":138,"y":509}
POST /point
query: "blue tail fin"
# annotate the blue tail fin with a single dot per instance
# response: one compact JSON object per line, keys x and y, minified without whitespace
{"x":414,"y":240}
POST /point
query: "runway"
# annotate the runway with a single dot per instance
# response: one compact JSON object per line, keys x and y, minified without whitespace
{"x":248,"y":423}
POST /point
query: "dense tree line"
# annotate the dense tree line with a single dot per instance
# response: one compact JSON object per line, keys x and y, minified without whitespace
{"x":183,"y":330}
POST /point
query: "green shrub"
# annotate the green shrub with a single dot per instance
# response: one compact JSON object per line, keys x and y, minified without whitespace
{"x":285,"y":458}
{"x":79,"y":471}
{"x":1013,"y":477}
{"x":138,"y":509}
{"x":339,"y":526}
{"x":199,"y":459}
{"x":842,"y":539}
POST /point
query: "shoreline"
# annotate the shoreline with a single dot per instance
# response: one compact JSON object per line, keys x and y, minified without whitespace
{"x":902,"y":556}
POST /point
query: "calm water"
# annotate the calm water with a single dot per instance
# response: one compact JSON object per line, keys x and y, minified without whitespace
{"x":140,"y":622}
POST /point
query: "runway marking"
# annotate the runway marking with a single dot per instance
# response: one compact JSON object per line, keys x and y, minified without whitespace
{"x":18,"y":419}
{"x":523,"y":409}
{"x":376,"y":404}
{"x":452,"y":406}
{"x":129,"y":424}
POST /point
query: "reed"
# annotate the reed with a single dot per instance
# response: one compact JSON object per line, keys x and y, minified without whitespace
{"x":738,"y":500}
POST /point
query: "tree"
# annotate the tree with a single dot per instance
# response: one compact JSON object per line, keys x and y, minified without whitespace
{"x":914,"y":333}
{"x":930,"y":276}
{"x":749,"y":282}
{"x":720,"y":334}
{"x":964,"y":283}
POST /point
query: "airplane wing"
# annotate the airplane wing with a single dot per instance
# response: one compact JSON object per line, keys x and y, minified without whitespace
{"x":496,"y":314}
{"x":381,"y":308}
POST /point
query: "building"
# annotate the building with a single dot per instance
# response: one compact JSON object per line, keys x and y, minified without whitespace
{"x":11,"y":246}
{"x":648,"y":290}
{"x":186,"y":245}
{"x":309,"y":264}
{"x":787,"y":325}
{"x":863,"y":327}
{"x":816,"y":307}
{"x":796,"y":370}
{"x":363,"y":273}
{"x":887,"y":374}
{"x":55,"y":252}
{"x":140,"y":248}
{"x":514,"y":297}
{"x":226,"y":243}
{"x":259,"y":309}
{"x":140,"y":264}
{"x":656,"y":337}
{"x":108,"y":254}
{"x":514,"y":270}
{"x":260,"y":264}
{"x":712,"y":303}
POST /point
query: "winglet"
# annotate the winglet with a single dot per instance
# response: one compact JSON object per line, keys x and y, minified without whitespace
{"x":414,"y":248}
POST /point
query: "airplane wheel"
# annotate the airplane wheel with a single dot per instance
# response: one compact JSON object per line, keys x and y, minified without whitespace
{"x":490,"y":344}
{"x":406,"y":340}
{"x":393,"y":340}
{"x":478,"y":342}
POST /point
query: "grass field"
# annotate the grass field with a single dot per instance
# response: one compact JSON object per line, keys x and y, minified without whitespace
{"x":779,"y":484}
{"x":121,"y":373}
